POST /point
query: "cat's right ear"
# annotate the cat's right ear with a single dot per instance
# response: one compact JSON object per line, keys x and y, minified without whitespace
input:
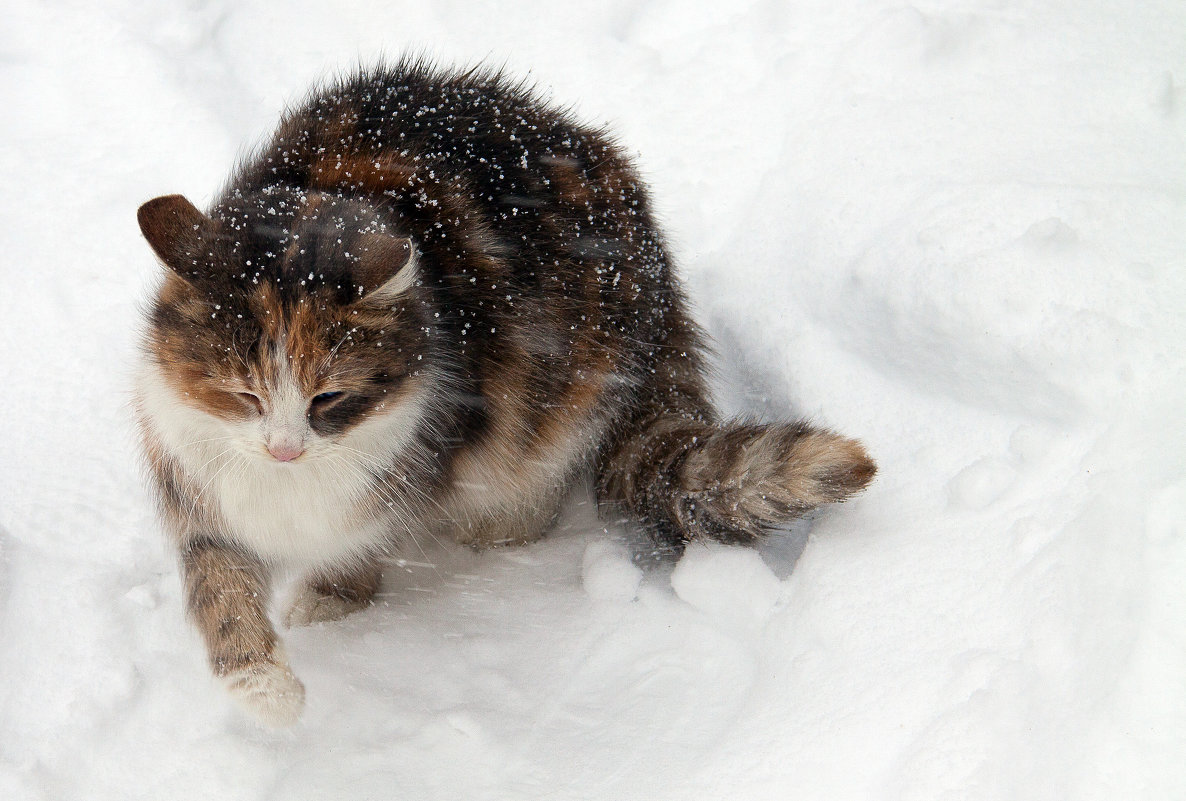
{"x":386,"y":268}
{"x":175,"y":230}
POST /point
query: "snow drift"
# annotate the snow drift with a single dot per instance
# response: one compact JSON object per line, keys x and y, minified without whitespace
{"x":954,"y":230}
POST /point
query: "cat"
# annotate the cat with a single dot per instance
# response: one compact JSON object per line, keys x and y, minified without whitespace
{"x":426,"y":307}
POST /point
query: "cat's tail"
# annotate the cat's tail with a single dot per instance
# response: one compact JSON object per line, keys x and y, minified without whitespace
{"x":686,"y":479}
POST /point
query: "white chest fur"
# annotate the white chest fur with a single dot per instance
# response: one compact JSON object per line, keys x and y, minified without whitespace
{"x":305,"y":513}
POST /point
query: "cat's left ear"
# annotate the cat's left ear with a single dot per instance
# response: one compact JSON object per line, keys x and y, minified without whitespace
{"x":175,"y":230}
{"x":386,"y":267}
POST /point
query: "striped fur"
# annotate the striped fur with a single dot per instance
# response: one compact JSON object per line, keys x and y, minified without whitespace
{"x":422,"y":309}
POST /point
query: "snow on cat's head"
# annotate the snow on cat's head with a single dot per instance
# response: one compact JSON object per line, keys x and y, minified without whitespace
{"x":285,"y":321}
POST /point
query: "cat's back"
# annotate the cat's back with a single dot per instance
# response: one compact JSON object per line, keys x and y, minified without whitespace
{"x":470,"y":148}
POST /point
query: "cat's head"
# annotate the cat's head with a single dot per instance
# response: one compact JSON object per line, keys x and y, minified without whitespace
{"x":286,"y":319}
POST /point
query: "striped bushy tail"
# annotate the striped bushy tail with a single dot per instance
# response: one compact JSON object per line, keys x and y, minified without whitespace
{"x":688,"y":479}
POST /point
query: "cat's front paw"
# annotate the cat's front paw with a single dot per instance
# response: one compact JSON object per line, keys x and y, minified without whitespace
{"x":269,"y":692}
{"x":311,"y":606}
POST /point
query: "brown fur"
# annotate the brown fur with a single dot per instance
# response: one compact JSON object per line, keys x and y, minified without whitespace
{"x":225,"y":592}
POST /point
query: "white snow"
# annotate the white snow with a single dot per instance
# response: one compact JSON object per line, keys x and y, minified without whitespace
{"x":956,"y":230}
{"x":608,"y":571}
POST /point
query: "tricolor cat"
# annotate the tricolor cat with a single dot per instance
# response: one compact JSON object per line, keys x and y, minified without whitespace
{"x":425,"y":308}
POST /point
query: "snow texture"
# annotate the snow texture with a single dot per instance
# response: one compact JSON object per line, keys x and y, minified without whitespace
{"x":955,"y":230}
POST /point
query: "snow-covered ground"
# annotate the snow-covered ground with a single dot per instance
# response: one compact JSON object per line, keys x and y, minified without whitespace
{"x":956,"y":230}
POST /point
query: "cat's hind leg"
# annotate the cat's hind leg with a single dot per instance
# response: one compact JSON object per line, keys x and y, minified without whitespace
{"x":518,"y":524}
{"x":334,"y":592}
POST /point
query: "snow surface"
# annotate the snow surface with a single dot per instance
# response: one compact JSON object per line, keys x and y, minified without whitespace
{"x":956,"y":230}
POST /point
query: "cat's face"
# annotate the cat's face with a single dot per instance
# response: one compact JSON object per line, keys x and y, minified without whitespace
{"x":288,"y":323}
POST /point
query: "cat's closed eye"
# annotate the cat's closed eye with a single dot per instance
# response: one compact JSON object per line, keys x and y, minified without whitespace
{"x":252,"y":400}
{"x":325,"y":400}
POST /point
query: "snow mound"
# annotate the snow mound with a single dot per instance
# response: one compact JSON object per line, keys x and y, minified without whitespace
{"x":608,"y":573}
{"x":731,"y":585}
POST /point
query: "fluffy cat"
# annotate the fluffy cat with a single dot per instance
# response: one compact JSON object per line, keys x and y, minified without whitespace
{"x":425,"y":307}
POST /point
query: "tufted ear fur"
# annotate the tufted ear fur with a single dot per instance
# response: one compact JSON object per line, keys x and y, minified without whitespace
{"x":386,"y":267}
{"x":175,"y":229}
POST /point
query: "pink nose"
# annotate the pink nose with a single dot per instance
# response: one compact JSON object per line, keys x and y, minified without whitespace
{"x":285,"y":452}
